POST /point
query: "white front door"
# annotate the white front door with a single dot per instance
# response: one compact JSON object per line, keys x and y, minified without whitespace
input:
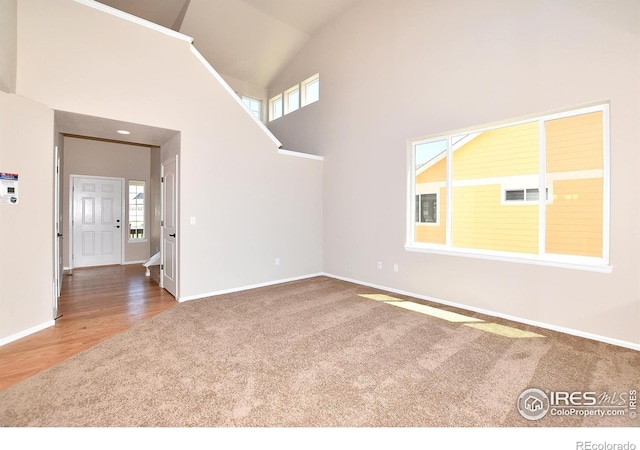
{"x":58,"y":235}
{"x":169,"y":227}
{"x":97,"y":224}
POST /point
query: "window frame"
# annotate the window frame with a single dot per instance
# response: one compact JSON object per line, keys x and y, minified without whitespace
{"x":598,"y":264}
{"x":276,"y":112}
{"x":143,"y":183}
{"x":304,"y":101}
{"x":288,"y":108}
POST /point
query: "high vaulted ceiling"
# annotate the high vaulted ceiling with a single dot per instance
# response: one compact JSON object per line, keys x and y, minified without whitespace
{"x":250,"y":40}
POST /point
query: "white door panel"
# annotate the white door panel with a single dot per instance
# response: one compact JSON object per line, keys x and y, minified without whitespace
{"x":97,"y":227}
{"x":58,"y":235}
{"x":169,"y":227}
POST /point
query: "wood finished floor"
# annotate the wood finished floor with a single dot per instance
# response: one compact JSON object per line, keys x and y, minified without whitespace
{"x":95,"y":304}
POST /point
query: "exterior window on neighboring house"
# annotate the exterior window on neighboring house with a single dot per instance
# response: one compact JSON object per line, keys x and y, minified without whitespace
{"x":523,"y":195}
{"x":311,"y":90}
{"x":136,"y":210}
{"x":480,"y":176}
{"x":255,"y":106}
{"x":427,"y":208}
{"x":275,"y":107}
{"x":292,"y":99}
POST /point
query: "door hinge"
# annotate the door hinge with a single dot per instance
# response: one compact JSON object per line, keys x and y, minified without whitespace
{"x":162,"y":223}
{"x":161,"y":266}
{"x":161,"y":179}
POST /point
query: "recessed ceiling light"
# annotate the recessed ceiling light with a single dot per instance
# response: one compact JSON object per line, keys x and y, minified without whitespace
{"x":124,"y":132}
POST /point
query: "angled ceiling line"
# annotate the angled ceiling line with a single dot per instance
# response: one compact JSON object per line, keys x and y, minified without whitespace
{"x":177,"y":24}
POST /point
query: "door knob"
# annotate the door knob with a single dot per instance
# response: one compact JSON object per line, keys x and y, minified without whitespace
{"x":172,"y":235}
{"x":117,"y":226}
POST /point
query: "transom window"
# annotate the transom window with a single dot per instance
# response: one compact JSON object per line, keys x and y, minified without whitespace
{"x":311,"y":90}
{"x":292,"y":99}
{"x":478,"y":175}
{"x":295,"y":97}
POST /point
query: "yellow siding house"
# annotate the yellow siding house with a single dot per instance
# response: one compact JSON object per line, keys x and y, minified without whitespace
{"x":496,"y":197}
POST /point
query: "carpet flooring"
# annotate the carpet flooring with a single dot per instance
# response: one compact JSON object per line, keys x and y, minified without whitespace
{"x":317,"y":353}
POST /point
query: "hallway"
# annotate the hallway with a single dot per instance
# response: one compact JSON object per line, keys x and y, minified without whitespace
{"x":95,"y":304}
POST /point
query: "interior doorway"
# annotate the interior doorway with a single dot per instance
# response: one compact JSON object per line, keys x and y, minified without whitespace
{"x":164,"y":145}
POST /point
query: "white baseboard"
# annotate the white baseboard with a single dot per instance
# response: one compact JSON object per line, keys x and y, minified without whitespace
{"x":24,"y":333}
{"x":582,"y":334}
{"x":124,"y":263}
{"x":246,"y":288}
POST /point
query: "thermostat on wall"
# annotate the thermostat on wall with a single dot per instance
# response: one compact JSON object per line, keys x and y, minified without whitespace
{"x":8,"y":187}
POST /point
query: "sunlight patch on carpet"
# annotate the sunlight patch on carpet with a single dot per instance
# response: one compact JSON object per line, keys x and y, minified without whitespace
{"x":380,"y":297}
{"x":435,"y":312}
{"x":503,"y":330}
{"x":478,"y":324}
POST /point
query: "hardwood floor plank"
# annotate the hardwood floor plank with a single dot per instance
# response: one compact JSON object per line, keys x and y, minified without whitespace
{"x":95,"y":304}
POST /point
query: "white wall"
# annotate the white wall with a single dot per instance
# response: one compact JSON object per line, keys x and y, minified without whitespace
{"x":392,"y":70}
{"x":251,"y":204}
{"x":26,"y":228}
{"x":8,"y":45}
{"x":107,"y":159}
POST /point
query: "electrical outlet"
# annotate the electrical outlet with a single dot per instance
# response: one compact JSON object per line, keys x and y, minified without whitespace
{"x":379,"y":264}
{"x":277,"y":261}
{"x":395,"y":267}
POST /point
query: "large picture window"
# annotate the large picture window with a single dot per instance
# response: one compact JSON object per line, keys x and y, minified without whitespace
{"x":480,"y":190}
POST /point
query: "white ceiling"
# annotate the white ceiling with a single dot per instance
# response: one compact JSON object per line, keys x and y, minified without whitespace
{"x":107,"y":129}
{"x":163,"y":12}
{"x":250,"y":40}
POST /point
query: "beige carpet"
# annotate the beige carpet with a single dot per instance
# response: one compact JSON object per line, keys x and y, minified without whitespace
{"x":315,"y":353}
